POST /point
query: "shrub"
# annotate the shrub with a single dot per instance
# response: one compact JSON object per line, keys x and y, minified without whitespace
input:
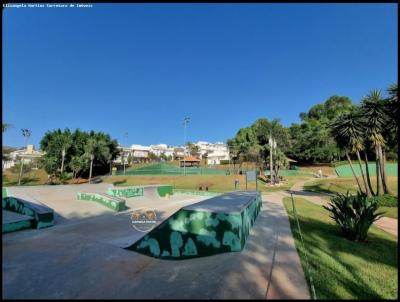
{"x":386,"y":200}
{"x":64,"y":177}
{"x":354,"y":214}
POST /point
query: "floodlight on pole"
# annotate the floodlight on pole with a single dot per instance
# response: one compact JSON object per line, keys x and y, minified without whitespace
{"x":186,"y":121}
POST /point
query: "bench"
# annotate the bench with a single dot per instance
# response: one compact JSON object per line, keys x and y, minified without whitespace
{"x":204,"y":186}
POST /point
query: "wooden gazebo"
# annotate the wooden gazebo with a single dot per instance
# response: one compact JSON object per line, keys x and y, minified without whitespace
{"x":190,"y":161}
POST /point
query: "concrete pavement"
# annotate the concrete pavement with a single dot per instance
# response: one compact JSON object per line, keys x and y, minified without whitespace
{"x":81,"y":257}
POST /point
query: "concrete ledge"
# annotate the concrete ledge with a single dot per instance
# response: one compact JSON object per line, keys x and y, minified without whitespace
{"x":111,"y":202}
{"x":43,"y":216}
{"x":217,"y":225}
{"x":126,"y":191}
{"x":199,"y":193}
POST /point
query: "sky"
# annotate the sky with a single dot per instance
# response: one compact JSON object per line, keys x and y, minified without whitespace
{"x":141,"y":68}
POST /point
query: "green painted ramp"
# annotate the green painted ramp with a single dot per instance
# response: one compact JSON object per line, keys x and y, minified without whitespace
{"x":14,"y":222}
{"x":217,"y":225}
{"x":42,"y":216}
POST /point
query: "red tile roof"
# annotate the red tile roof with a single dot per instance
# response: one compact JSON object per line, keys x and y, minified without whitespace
{"x":190,"y":158}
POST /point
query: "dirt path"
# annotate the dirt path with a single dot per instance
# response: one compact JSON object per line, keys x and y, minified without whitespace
{"x":385,"y":223}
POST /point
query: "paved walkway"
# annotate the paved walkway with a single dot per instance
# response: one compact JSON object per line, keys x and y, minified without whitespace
{"x":52,"y":262}
{"x":385,"y":223}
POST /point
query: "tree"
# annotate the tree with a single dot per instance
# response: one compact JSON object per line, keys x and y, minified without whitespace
{"x":96,"y":149}
{"x":50,"y":165}
{"x":66,"y":142}
{"x":193,"y":149}
{"x":348,"y":133}
{"x":391,"y":108}
{"x":62,"y":146}
{"x":129,"y":159}
{"x":77,"y":164}
{"x":6,"y":126}
{"x":348,"y":136}
{"x":311,"y":141}
{"x":372,"y":108}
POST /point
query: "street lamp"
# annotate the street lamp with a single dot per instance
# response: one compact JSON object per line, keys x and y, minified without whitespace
{"x":186,"y":121}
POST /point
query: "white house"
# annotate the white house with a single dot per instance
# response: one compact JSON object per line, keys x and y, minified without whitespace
{"x":140,"y":152}
{"x":28,"y":155}
{"x":215,"y":152}
{"x":162,"y":149}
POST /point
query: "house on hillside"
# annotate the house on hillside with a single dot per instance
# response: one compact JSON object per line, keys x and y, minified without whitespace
{"x":29,"y":155}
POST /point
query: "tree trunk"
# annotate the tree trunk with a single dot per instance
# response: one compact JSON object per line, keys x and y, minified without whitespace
{"x":382,"y":156}
{"x":354,"y":173}
{"x":368,"y":177}
{"x":91,"y":167}
{"x":378,"y":177}
{"x":363,"y":176}
{"x":20,"y":171}
{"x":62,"y":160}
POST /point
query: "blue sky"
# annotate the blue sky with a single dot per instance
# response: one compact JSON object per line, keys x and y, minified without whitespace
{"x":141,"y":68}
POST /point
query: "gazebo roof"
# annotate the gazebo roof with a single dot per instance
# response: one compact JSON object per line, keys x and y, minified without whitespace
{"x":190,"y":158}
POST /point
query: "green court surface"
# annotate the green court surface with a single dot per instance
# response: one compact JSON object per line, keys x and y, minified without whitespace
{"x":167,"y":169}
{"x":345,"y":170}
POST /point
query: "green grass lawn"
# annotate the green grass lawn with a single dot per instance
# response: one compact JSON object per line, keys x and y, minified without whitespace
{"x":220,"y":183}
{"x":342,"y":269}
{"x":34,"y":177}
{"x":389,"y":211}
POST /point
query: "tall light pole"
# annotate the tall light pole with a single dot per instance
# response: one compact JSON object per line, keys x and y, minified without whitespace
{"x":26,"y":133}
{"x":271,"y":145}
{"x":186,"y":121}
{"x":123,"y":151}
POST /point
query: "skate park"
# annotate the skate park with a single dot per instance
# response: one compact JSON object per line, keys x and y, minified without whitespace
{"x":88,"y":239}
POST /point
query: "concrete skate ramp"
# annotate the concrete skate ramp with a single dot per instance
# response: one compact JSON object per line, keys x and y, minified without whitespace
{"x":14,"y":222}
{"x":217,"y":225}
{"x":42,"y":216}
{"x":157,"y":191}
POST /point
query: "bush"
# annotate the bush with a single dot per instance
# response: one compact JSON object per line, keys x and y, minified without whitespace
{"x":224,"y":162}
{"x":386,"y":200}
{"x":354,"y":214}
{"x":64,"y":177}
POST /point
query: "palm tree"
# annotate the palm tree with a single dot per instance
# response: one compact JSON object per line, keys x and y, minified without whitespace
{"x":96,"y":149}
{"x":66,"y":142}
{"x":376,"y":120}
{"x":347,"y":133}
{"x":5,"y":157}
{"x":6,"y":126}
{"x":77,"y":164}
